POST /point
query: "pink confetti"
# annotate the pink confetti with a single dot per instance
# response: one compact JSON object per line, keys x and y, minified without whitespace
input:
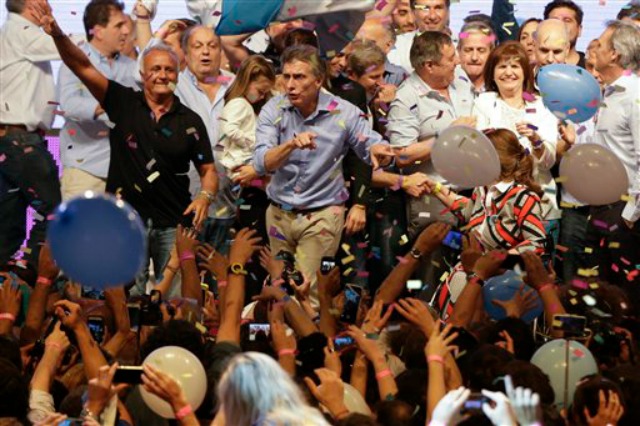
{"x":490,"y":38}
{"x":594,"y":103}
{"x":464,"y":35}
{"x":381,"y":4}
{"x":332,"y":29}
{"x":578,"y":353}
{"x":2,"y":158}
{"x":579,"y":284}
{"x":292,"y":11}
{"x":615,"y":267}
{"x":332,"y":105}
{"x":625,"y":261}
{"x":528,"y":97}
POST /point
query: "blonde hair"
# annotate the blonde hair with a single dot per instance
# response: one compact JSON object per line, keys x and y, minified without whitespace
{"x":251,"y":69}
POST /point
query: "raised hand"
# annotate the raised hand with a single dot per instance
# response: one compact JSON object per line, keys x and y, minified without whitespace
{"x":375,"y":320}
{"x":243,"y":246}
{"x":69,"y":314}
{"x":186,"y":240}
{"x":381,"y":155}
{"x":212,"y":260}
{"x":537,"y":276}
{"x":432,"y":236}
{"x":471,"y":252}
{"x":43,"y":15}
{"x":10,"y":296}
{"x":501,"y":413}
{"x":330,"y":392}
{"x":163,"y":386}
{"x":417,"y":313}
{"x":439,"y":342}
{"x":525,"y":403}
{"x":305,"y":140}
{"x":447,"y":411}
{"x":489,"y":264}
{"x":609,"y":410}
{"x":520,"y":304}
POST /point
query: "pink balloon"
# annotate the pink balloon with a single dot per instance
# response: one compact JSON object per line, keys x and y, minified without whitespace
{"x":593,"y":174}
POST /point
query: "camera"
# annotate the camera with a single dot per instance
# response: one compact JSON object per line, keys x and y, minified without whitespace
{"x":289,"y":272}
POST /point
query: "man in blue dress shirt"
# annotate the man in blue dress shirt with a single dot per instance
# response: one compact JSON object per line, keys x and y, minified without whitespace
{"x":302,"y":138}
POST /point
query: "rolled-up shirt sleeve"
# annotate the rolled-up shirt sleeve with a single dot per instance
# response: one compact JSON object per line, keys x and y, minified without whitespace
{"x":267,"y":135}
{"x":403,"y":127}
{"x":40,"y":405}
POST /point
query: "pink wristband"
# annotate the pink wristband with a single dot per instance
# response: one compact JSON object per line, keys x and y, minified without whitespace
{"x":184,"y":412}
{"x":187,"y":255}
{"x":283,"y":352}
{"x":435,"y":358}
{"x":8,"y":316}
{"x":43,"y":281}
{"x":383,"y":374}
{"x":222,"y":284}
{"x":546,"y":287}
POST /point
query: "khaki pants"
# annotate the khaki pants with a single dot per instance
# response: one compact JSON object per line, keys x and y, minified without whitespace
{"x":309,"y":237}
{"x":75,"y":182}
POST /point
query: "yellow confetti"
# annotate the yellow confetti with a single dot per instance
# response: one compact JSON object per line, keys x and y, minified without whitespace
{"x":135,"y":185}
{"x":221,"y":211}
{"x":25,"y":250}
{"x":404,"y":240}
{"x":573,"y":301}
{"x":347,"y":272}
{"x":444,"y":276}
{"x":614,"y":244}
{"x":561,"y":179}
{"x":346,"y":247}
{"x":625,"y":198}
{"x":153,"y":176}
{"x":593,"y":286}
{"x":348,"y":259}
{"x":342,"y":124}
{"x":588,"y":250}
{"x":201,"y":328}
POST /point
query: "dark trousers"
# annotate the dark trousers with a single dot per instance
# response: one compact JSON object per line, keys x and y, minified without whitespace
{"x":28,"y":177}
{"x":573,"y":236}
{"x":616,"y":249}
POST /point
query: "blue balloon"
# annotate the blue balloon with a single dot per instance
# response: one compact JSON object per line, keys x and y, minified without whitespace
{"x":569,"y":92}
{"x":98,"y":240}
{"x":505,"y":287}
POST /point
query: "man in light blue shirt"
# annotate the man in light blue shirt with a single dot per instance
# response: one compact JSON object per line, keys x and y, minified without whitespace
{"x":302,"y":138}
{"x":202,"y":86}
{"x":84,"y":139}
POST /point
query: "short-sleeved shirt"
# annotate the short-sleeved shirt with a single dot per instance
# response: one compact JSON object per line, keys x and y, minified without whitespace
{"x":149,"y":159}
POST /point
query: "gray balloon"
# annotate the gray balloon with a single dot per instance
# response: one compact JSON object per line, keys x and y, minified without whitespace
{"x":551,"y":359}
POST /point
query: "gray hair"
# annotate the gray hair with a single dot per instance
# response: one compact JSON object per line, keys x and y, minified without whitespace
{"x":427,"y":47}
{"x":254,"y":387}
{"x":477,"y":27}
{"x":625,"y":39}
{"x":160,"y":48}
{"x":15,"y":6}
{"x":365,"y":54}
{"x":186,"y":36}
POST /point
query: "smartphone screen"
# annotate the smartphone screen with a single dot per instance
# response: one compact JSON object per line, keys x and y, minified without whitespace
{"x":352,"y":296}
{"x":256,"y":328}
{"x":96,"y":327}
{"x":327,"y":264}
{"x":571,"y":325}
{"x":134,"y":316}
{"x":342,"y":343}
{"x":128,"y":374}
{"x":413,"y":285}
{"x":453,"y":240}
{"x":474,"y":404}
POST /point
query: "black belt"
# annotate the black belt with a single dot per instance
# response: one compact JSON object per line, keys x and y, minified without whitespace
{"x":579,"y":209}
{"x":296,"y":211}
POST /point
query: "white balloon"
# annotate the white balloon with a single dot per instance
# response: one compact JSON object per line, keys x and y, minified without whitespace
{"x":186,"y":369}
{"x":208,"y":12}
{"x":465,"y":157}
{"x":593,"y":174}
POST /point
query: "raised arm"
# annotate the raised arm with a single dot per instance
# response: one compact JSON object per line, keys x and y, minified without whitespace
{"x":70,"y":54}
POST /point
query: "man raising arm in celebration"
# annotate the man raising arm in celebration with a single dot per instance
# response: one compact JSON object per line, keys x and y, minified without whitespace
{"x":154,"y":139}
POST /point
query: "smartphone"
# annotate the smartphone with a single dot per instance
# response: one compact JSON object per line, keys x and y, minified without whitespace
{"x":513,"y":260}
{"x":134,"y":316}
{"x":131,"y":374}
{"x":453,"y":240}
{"x":327,"y":264}
{"x":352,"y":296}
{"x":570,"y":325}
{"x":255,"y":328}
{"x":473,"y":405}
{"x":96,"y":327}
{"x":342,"y":343}
{"x":155,"y":297}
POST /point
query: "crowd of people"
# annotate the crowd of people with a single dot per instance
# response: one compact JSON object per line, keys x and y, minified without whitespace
{"x":301,"y":242}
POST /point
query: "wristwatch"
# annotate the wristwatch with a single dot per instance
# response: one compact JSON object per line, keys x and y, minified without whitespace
{"x":237,"y":269}
{"x":415,"y":253}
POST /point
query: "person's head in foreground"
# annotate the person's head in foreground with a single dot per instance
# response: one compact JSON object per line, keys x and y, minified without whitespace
{"x":516,"y":163}
{"x":255,"y":390}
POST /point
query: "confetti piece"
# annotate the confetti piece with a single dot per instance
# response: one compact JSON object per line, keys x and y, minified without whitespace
{"x":150,"y":164}
{"x":135,"y":185}
{"x":403,"y":240}
{"x":528,"y":97}
{"x":332,"y":29}
{"x":153,"y":176}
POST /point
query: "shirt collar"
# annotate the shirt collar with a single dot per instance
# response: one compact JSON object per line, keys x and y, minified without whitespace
{"x":326,"y":103}
{"x":97,"y":53}
{"x":502,"y":186}
{"x":19,"y":19}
